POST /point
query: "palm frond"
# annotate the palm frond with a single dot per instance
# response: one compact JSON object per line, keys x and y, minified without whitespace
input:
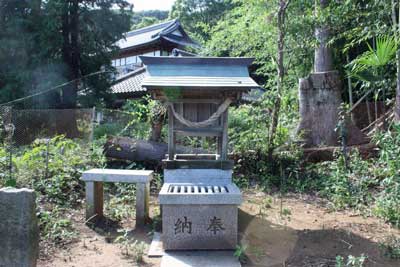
{"x":374,"y":59}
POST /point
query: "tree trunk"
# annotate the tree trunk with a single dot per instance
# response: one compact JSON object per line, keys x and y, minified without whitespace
{"x":320,"y":99}
{"x":396,"y":28}
{"x":126,"y":148}
{"x":156,"y":128}
{"x":70,"y":55}
{"x":281,"y":73}
{"x":323,"y":54}
{"x":397,"y":104}
{"x":157,"y":119}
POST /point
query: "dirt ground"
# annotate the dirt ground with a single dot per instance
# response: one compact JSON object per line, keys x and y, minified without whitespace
{"x":307,"y":234}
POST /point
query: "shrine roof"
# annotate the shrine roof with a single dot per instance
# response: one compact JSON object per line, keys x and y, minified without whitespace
{"x":198,"y":72}
{"x":170,"y":31}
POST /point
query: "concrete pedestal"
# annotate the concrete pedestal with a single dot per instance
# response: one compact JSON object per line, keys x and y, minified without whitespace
{"x":195,"y":227}
{"x":199,"y":216}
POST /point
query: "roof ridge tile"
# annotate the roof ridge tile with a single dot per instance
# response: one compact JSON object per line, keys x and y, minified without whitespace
{"x":149,"y":28}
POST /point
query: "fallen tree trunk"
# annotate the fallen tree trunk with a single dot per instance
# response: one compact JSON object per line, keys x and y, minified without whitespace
{"x":125,"y":148}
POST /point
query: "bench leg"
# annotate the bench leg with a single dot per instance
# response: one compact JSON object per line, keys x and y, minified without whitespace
{"x":94,"y":200}
{"x":142,"y":203}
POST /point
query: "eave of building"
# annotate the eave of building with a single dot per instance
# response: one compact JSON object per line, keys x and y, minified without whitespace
{"x":190,"y":82}
{"x":130,"y":83}
{"x":198,"y":72}
{"x":155,"y":35}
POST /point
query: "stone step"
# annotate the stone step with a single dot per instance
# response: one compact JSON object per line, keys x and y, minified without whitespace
{"x":156,"y":247}
{"x":199,"y":259}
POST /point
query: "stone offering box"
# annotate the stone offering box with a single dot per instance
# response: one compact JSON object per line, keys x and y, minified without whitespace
{"x":198,"y":200}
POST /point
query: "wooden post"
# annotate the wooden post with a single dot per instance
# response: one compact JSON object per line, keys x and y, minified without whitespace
{"x":219,"y":146}
{"x":224,"y":141}
{"x":92,"y":124}
{"x":171,"y":135}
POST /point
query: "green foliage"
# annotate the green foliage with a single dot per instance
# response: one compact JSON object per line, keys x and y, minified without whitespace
{"x":388,"y":201}
{"x":108,"y":129}
{"x":54,"y":227}
{"x":145,"y":18}
{"x":140,"y":112}
{"x":199,"y":16}
{"x":347,"y":186}
{"x":54,"y":169}
{"x":172,"y":93}
{"x":240,"y":253}
{"x":365,"y":184}
{"x":120,"y":206}
{"x":250,"y":29}
{"x":351,"y":261}
{"x":134,"y":120}
{"x":265,"y":205}
{"x":286,"y":215}
{"x":32,"y":41}
{"x":369,"y":66}
{"x":355,"y":22}
{"x":127,"y":245}
{"x":391,"y":247}
{"x":124,"y":241}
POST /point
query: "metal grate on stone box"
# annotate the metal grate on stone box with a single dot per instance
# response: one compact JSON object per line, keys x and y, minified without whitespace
{"x":197,"y":189}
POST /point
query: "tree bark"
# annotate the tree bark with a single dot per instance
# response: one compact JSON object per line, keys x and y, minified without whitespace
{"x":396,"y":29}
{"x":157,"y":119}
{"x":281,"y":74}
{"x":70,"y":56}
{"x":156,"y":128}
{"x":320,"y":99}
{"x":126,"y":148}
{"x":323,"y":54}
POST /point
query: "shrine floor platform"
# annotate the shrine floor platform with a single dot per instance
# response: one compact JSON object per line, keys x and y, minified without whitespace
{"x":199,"y":259}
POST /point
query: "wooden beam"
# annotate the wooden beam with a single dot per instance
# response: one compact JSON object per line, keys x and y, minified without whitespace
{"x":224,"y":137}
{"x":199,"y":132}
{"x":171,"y":134}
{"x":198,"y":164}
{"x":197,"y":101}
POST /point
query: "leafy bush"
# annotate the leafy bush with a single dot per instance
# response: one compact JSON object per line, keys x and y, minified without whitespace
{"x":53,"y":168}
{"x":133,"y":120}
{"x":107,"y":129}
{"x":120,"y":204}
{"x":365,"y":183}
{"x":352,"y":261}
{"x":388,"y":201}
{"x":128,"y":244}
{"x":347,"y":186}
{"x":391,"y":247}
{"x":54,"y":227}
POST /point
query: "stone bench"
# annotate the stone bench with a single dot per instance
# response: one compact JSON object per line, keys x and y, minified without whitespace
{"x":95,"y":178}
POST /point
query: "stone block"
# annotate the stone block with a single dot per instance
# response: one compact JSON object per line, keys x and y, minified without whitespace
{"x":19,"y":233}
{"x":142,"y":203}
{"x":117,"y":176}
{"x":95,"y":178}
{"x":199,"y":227}
{"x":212,"y":176}
{"x":94,"y":200}
{"x":195,"y":194}
{"x":200,"y":259}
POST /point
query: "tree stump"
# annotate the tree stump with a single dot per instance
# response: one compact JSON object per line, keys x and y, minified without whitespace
{"x":320,"y":99}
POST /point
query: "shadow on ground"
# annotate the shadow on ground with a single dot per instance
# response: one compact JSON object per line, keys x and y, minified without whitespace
{"x":272,"y":245}
{"x":110,"y":230}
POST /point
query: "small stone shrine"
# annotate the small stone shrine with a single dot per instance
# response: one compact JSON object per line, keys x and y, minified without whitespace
{"x":199,"y":201}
